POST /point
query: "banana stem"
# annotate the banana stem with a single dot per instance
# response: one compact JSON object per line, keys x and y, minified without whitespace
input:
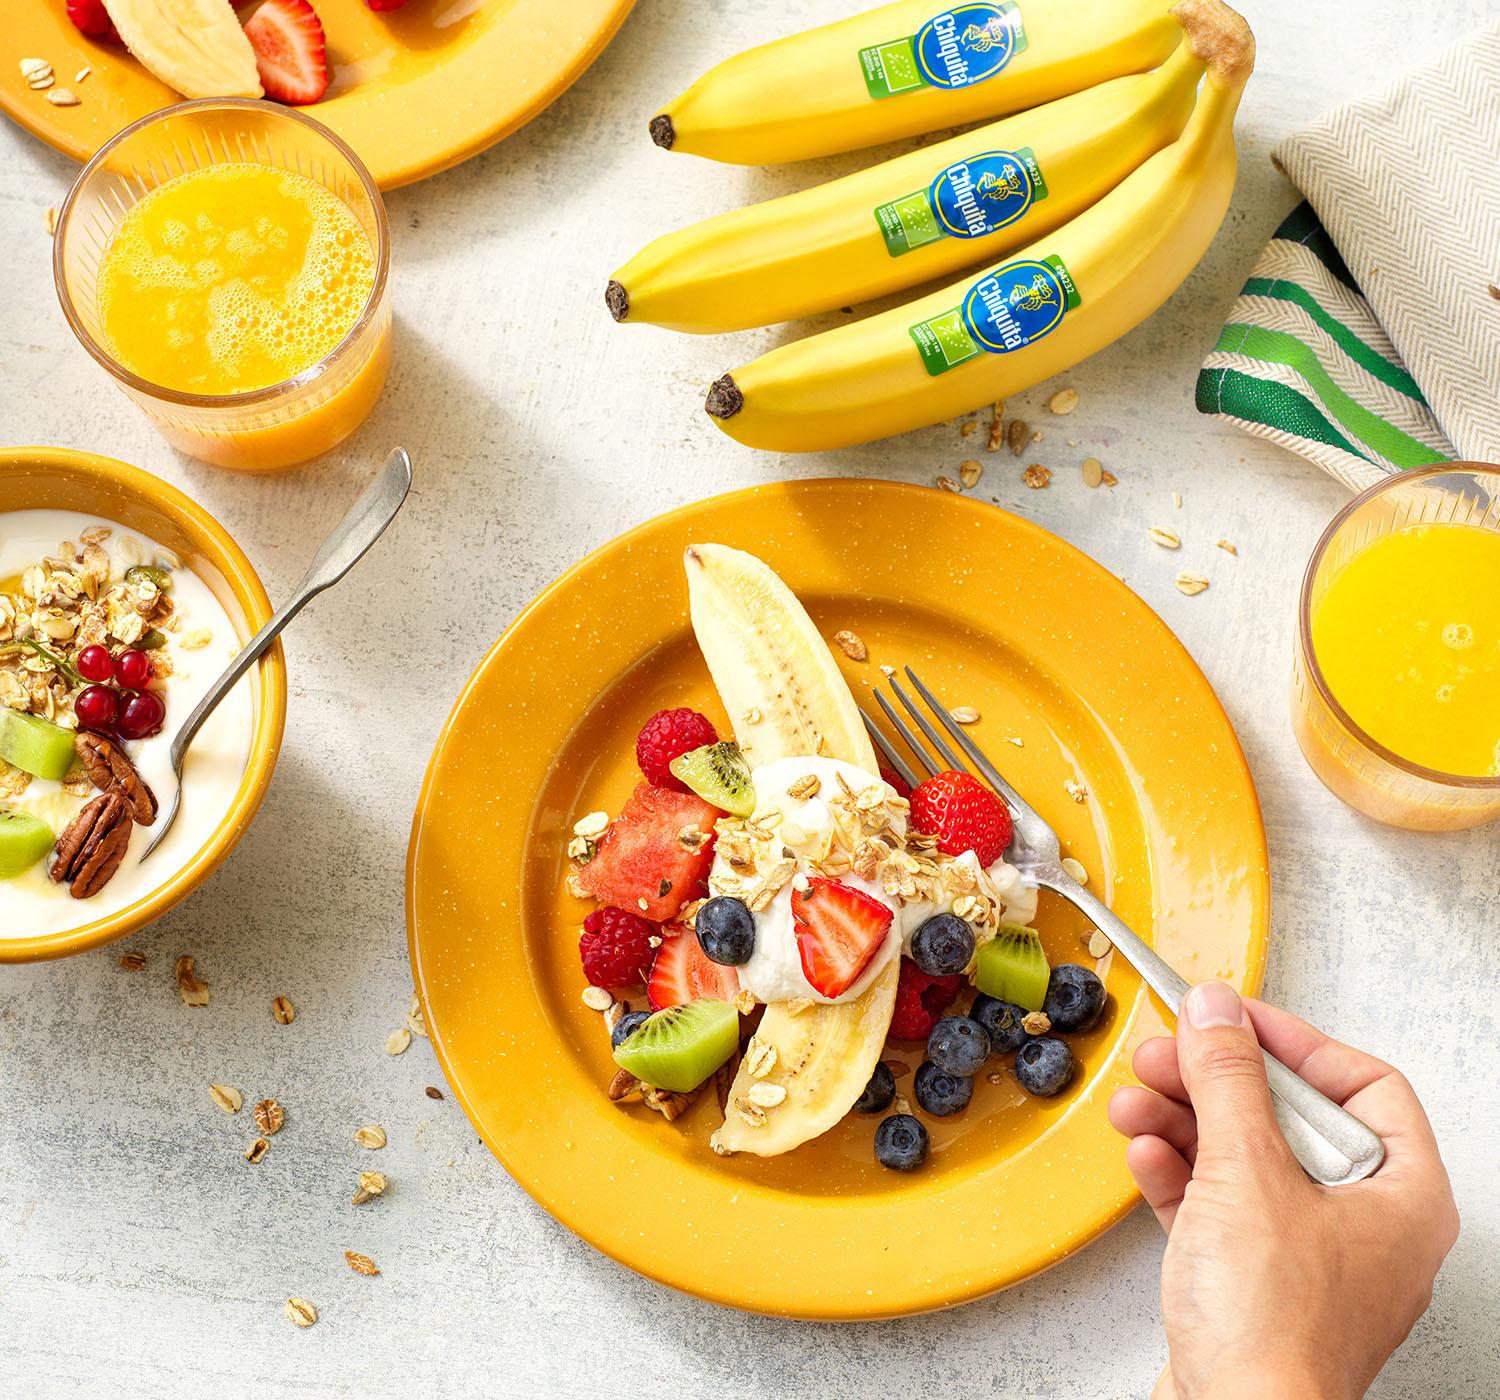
{"x":1220,"y":37}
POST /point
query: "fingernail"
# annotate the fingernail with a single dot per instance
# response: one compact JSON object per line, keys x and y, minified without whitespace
{"x":1212,"y":1004}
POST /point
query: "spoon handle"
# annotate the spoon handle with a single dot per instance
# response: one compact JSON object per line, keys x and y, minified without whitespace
{"x":351,"y":537}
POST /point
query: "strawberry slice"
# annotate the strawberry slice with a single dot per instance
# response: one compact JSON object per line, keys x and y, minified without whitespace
{"x":681,"y":973}
{"x":289,"y":53}
{"x":839,"y":929}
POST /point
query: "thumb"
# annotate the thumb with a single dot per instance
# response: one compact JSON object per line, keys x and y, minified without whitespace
{"x":1225,"y":1076}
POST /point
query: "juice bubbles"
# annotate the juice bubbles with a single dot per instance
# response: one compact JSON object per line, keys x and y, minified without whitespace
{"x":232,"y":278}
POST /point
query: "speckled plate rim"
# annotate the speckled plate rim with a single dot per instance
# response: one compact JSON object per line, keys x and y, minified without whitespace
{"x":1113,"y":1194}
{"x":270,"y":719}
{"x":427,"y":131}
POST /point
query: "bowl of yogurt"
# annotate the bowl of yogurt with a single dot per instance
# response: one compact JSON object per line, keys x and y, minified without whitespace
{"x":121,"y":601}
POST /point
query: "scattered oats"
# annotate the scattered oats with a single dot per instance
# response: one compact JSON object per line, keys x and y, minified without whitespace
{"x":63,"y":97}
{"x":576,"y":887}
{"x":581,"y":850}
{"x":614,"y":1014}
{"x":257,"y":1150}
{"x":1190,"y":583}
{"x":760,"y":1059}
{"x":644,"y":903}
{"x":50,"y":219}
{"x":752,"y":1113}
{"x":82,"y":73}
{"x":969,"y":473}
{"x":792,"y":833}
{"x":744,"y":1003}
{"x":195,"y":638}
{"x":690,"y":838}
{"x":851,"y":644}
{"x":360,"y":1263}
{"x":1177,"y":499}
{"x":997,"y":427}
{"x":1099,"y":945}
{"x":1063,"y":401}
{"x":947,"y":483}
{"x":965,"y":714}
{"x":284,"y":1012}
{"x":433,"y":1092}
{"x":591,"y":826}
{"x":900,"y":1104}
{"x":397,"y":1041}
{"x":132,"y":962}
{"x":654,"y":940}
{"x":766,"y":1095}
{"x":371,"y":1136}
{"x":230,"y":1100}
{"x":301,"y":1312}
{"x":1075,"y":790}
{"x":416,"y":1018}
{"x":1036,"y":1023}
{"x":1226,"y":546}
{"x":805,"y":787}
{"x":888,"y":670}
{"x":751,"y":716}
{"x":194,"y":992}
{"x":1013,"y":739}
{"x":797,"y":1005}
{"x":800,"y":881}
{"x":1017,"y":435}
{"x":269,"y":1117}
{"x":1036,"y":435}
{"x":595,"y":998}
{"x":1075,"y":869}
{"x":1167,"y":539}
{"x":1093,"y":471}
{"x":371,"y":1184}
{"x":1110,"y":479}
{"x":1036,"y":476}
{"x":994,"y":1077}
{"x":37,"y":72}
{"x":968,"y":428}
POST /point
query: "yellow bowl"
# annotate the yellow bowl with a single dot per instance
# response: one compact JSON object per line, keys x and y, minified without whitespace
{"x":55,"y":478}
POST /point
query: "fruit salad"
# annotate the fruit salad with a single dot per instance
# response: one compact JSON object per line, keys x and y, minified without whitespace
{"x":790,"y":907}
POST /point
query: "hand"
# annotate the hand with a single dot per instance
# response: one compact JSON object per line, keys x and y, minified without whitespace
{"x":1272,"y":1285}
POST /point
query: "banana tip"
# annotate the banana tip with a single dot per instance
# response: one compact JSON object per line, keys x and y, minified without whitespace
{"x":617,"y":299}
{"x":662,"y":131}
{"x":724,"y":398}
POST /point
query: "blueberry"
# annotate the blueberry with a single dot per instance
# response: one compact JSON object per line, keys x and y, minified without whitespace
{"x":1075,"y":999}
{"x":726,"y":931}
{"x":958,"y":1045}
{"x":878,"y":1092}
{"x":941,"y":1095}
{"x":1044,"y":1065}
{"x":1002,"y":1019}
{"x":900,"y":1143}
{"x":626,"y":1026}
{"x":942,"y":946}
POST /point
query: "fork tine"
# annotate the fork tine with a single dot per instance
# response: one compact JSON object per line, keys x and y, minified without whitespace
{"x":889,"y":750}
{"x":954,"y":761}
{"x":904,"y":730}
{"x":987,"y":770}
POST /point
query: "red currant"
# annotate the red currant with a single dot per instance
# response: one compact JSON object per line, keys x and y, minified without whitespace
{"x":97,"y":705}
{"x":133,"y":669}
{"x":142,"y":716}
{"x":95,"y":664}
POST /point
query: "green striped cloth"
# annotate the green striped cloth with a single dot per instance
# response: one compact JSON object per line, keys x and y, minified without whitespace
{"x":1305,"y":363}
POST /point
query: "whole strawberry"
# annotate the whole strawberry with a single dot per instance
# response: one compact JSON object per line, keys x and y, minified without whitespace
{"x":667,"y":735}
{"x":963,"y":815}
{"x":616,"y":947}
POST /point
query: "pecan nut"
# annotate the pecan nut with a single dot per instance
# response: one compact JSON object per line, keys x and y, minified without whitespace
{"x":109,"y":768}
{"x":92,"y":845}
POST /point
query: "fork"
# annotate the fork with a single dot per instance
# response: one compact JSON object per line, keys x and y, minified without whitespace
{"x":1332,"y":1145}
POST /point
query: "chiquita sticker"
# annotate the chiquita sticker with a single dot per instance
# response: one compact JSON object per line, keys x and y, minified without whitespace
{"x":970,"y":199}
{"x":955,"y":48}
{"x":1006,"y":310}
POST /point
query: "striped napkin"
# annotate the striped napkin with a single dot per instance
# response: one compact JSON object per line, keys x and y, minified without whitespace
{"x":1368,"y":336}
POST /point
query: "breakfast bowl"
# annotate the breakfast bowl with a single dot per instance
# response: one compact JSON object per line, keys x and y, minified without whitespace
{"x":163,"y":585}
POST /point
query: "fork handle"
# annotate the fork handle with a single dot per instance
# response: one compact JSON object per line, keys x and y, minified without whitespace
{"x":1332,"y":1145}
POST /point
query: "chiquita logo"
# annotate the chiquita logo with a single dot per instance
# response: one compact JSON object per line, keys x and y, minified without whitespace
{"x":979,"y":195}
{"x":981,"y":38}
{"x":1041,"y":293}
{"x":966,"y":44}
{"x":1000,"y":187}
{"x":1014,"y":305}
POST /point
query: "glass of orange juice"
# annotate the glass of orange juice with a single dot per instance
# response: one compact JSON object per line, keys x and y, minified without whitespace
{"x":228,"y":262}
{"x":1396,"y":687}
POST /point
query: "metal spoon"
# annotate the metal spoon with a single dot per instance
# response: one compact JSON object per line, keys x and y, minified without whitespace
{"x":354,"y":534}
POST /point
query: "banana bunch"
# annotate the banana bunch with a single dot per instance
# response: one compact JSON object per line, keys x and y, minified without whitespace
{"x":1099,"y":203}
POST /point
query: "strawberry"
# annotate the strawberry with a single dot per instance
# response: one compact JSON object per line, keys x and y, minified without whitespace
{"x":839,"y":929}
{"x":384,"y":6}
{"x":91,"y":18}
{"x":681,"y":973}
{"x":894,"y":780}
{"x":642,"y":864}
{"x":289,"y":55}
{"x":963,"y":814}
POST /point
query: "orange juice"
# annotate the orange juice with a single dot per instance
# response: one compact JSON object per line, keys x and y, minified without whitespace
{"x":232,"y":278}
{"x":1407,"y":633}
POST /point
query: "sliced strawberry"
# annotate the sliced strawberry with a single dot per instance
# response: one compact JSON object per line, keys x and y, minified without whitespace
{"x":839,"y":929}
{"x":289,"y":53}
{"x":647,"y":862}
{"x":681,"y":973}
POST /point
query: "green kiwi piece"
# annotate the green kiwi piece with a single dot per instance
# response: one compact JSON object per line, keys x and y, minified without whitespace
{"x":1013,"y":967}
{"x":719,"y":774}
{"x":678,"y":1047}
{"x":24,"y":840}
{"x":35,"y":745}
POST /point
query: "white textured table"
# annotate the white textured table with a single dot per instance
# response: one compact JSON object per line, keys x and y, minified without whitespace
{"x":140,"y":1256}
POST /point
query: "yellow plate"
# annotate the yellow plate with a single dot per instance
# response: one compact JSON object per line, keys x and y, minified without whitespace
{"x":993,"y":612}
{"x":414,"y":91}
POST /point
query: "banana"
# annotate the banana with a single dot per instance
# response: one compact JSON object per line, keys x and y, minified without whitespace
{"x":194,"y":46}
{"x":966,"y":200}
{"x":765,"y":655}
{"x":906,"y":68}
{"x":1057,"y":302}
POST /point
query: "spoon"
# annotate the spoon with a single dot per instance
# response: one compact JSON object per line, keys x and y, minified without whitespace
{"x":351,"y":537}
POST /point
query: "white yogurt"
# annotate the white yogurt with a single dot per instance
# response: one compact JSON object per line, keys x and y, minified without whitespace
{"x":774,"y":972}
{"x":30,"y":904}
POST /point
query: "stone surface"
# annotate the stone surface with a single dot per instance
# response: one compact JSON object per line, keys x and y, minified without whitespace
{"x":141,"y":1255}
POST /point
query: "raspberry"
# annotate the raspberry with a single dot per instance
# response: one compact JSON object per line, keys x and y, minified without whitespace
{"x":382,"y":6}
{"x":963,"y":814}
{"x":920,"y":1001}
{"x":616,"y":947}
{"x":895,"y":780}
{"x":665,"y":736}
{"x":91,"y":18}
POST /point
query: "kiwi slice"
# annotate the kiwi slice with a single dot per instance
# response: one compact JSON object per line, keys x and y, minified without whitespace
{"x":35,"y":745}
{"x":1013,"y":967}
{"x":680,"y":1046}
{"x":719,"y":774}
{"x":24,"y":840}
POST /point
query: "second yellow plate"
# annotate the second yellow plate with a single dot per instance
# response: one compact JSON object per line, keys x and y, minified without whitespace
{"x":1076,"y":681}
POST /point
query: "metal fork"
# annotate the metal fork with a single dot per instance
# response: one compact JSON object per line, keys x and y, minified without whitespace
{"x":1332,"y":1145}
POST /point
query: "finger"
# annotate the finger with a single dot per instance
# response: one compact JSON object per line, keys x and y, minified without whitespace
{"x":1156,"y":1067}
{"x":1162,"y":1175}
{"x":1137,"y":1112}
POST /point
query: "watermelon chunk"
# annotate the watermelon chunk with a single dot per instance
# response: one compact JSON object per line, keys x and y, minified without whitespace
{"x":642,"y":865}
